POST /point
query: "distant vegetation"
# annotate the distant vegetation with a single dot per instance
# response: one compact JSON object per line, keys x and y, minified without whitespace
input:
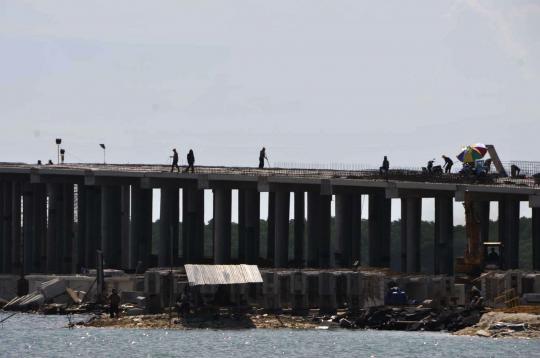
{"x":427,"y":233}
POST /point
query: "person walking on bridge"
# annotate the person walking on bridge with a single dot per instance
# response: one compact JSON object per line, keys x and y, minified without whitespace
{"x":385,"y":167}
{"x":447,"y":164}
{"x":175,"y":161}
{"x":262,"y":157}
{"x":191,"y":161}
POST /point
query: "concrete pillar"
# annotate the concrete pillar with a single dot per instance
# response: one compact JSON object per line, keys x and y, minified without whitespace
{"x":111,"y":226}
{"x":281,"y":253}
{"x":40,"y":222}
{"x":509,"y":232}
{"x":222,"y":225}
{"x":81,"y":228}
{"x":411,"y":220}
{"x":482,"y":208}
{"x":6,"y":227}
{"x":348,"y":225}
{"x":443,"y":256}
{"x":67,"y":233}
{"x":249,"y":216}
{"x":241,"y":228}
{"x":55,"y":244}
{"x":92,"y":235}
{"x":193,"y":225}
{"x":536,"y":239}
{"x":125,"y":241}
{"x":271,"y":227}
{"x":299,"y":229}
{"x":16,"y":242}
{"x":318,"y":242}
{"x":141,"y":227}
{"x":325,"y":216}
{"x":29,"y":237}
{"x":379,"y":230}
{"x":343,"y":230}
{"x":168,"y":226}
{"x":313,"y":233}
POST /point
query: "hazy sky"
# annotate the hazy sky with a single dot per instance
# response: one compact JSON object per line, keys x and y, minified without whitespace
{"x":313,"y":81}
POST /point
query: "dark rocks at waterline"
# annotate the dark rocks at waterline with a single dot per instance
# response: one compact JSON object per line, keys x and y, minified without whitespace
{"x":408,"y":318}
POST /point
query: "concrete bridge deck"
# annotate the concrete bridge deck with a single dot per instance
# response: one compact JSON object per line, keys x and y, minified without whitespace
{"x":152,"y":175}
{"x":55,"y":217}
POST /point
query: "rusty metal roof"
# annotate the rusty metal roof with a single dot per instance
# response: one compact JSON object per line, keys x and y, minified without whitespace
{"x":222,"y":274}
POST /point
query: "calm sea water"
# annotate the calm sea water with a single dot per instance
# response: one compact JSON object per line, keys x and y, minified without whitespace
{"x":46,"y":336}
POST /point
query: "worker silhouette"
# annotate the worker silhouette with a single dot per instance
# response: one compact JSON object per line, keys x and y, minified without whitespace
{"x":262,"y":157}
{"x":447,"y":164}
{"x":191,"y":161}
{"x":430,"y":166}
{"x":175,"y":161}
{"x":383,"y":170}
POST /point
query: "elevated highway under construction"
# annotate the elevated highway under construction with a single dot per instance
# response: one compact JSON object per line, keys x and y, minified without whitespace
{"x":55,"y":217}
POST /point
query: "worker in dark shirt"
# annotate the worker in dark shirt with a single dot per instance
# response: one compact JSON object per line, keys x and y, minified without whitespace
{"x":114,"y":304}
{"x":262,"y":157}
{"x":385,"y":166}
{"x":175,"y":161}
{"x":447,"y":164}
{"x":191,"y":161}
{"x":430,"y":165}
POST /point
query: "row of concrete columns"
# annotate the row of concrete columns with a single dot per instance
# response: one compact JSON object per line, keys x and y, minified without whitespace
{"x":117,"y":219}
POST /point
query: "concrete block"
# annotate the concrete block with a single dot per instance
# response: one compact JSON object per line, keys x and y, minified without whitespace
{"x":8,"y":287}
{"x":327,"y":292}
{"x":284,"y":283}
{"x":459,"y":293}
{"x":417,"y":289}
{"x":373,"y":290}
{"x":52,"y":288}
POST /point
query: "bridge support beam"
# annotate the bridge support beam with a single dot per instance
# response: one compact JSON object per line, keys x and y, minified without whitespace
{"x":318,"y":242}
{"x":249,"y":225}
{"x":348,"y":225}
{"x":443,"y":255}
{"x":509,"y":232}
{"x":6,"y":205}
{"x":55,"y":242}
{"x":379,"y":230}
{"x":16,"y":239}
{"x":29,"y":230}
{"x":192,"y":225}
{"x":281,"y":253}
{"x":92,"y":225}
{"x":126,"y":240}
{"x":411,"y":219}
{"x":222,"y":225}
{"x":68,"y":235}
{"x":299,"y":229}
{"x":536,"y":239}
{"x":168,"y":226}
{"x":482,"y":207}
{"x":141,"y":227}
{"x":111,"y":227}
{"x":271,"y":228}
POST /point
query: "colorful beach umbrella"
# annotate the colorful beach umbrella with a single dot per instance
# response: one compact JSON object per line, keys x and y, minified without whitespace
{"x":480,"y":148}
{"x":471,"y":153}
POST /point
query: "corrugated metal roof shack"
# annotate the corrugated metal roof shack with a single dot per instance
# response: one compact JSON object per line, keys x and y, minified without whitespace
{"x":224,"y":284}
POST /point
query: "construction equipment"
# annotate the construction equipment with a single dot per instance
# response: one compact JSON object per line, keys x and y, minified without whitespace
{"x":472,"y":261}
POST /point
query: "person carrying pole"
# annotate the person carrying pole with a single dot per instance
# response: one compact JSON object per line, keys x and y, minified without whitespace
{"x":262,"y":157}
{"x":175,"y":161}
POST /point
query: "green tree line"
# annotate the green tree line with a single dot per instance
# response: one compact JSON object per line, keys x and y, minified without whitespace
{"x":427,"y":230}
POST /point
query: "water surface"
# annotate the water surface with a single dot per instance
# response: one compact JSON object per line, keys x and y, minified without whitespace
{"x":46,"y":336}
